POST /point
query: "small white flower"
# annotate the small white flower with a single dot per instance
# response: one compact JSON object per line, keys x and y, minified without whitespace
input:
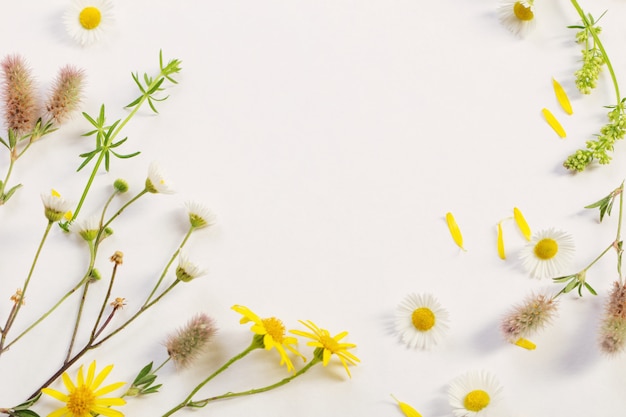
{"x":187,"y":270}
{"x":199,"y":215}
{"x":87,"y":228}
{"x":548,"y":253}
{"x":87,"y":20}
{"x":474,"y":394}
{"x":421,"y":321}
{"x":55,"y":206}
{"x":156,"y":182}
{"x":518,"y":16}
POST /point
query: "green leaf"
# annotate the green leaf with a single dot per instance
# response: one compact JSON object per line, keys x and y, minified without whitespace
{"x":9,"y":193}
{"x":90,"y":120}
{"x":25,"y":413}
{"x":152,"y":106}
{"x":155,"y":87}
{"x":564,"y":278}
{"x":28,"y":403}
{"x":130,"y":155}
{"x":570,"y":286}
{"x":144,"y":371}
{"x":590,"y":289}
{"x":106,"y":161}
{"x":152,"y":390}
{"x":85,"y":162}
{"x":118,"y":143}
{"x":135,"y":102}
{"x":4,"y":143}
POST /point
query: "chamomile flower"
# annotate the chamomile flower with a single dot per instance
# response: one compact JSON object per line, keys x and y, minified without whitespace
{"x":84,"y":397}
{"x":272,"y":332}
{"x":88,"y":227}
{"x":474,"y":394}
{"x":421,"y":321}
{"x":87,"y":20}
{"x":518,"y":16}
{"x":156,"y":181}
{"x":548,"y":253}
{"x":55,"y":206}
{"x":187,"y":270}
{"x":199,"y":216}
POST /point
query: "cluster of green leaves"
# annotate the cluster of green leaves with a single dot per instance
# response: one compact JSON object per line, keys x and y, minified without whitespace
{"x":23,"y":410}
{"x":105,"y":134}
{"x":143,"y":383}
{"x":574,"y":281}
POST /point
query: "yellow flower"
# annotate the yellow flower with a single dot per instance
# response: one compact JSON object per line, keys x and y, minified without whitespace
{"x":83,"y":398}
{"x":273,"y":332}
{"x":328,"y":345}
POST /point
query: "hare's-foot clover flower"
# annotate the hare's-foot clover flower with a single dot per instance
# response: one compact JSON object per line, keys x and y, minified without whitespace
{"x":548,"y":253}
{"x":156,"y":181}
{"x":518,"y":16}
{"x":85,"y":397}
{"x":187,"y":270}
{"x":421,"y":321}
{"x":87,"y":20}
{"x":327,"y":345}
{"x":185,"y":346}
{"x":55,"y":206}
{"x":272,"y":332}
{"x":199,"y":216}
{"x":524,"y":320}
{"x":19,"y":95}
{"x":66,"y":94}
{"x":613,"y":328}
{"x":474,"y":394}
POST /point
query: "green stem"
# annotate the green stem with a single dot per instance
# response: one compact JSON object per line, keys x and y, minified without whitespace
{"x":24,"y":287}
{"x":104,"y":302}
{"x":167,"y":267}
{"x":186,"y":401}
{"x":598,"y":43}
{"x":131,"y":201}
{"x":111,"y":139}
{"x":7,"y":176}
{"x":79,"y":315}
{"x":202,"y":403}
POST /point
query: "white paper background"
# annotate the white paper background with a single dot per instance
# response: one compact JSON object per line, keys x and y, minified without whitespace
{"x":330,"y":138}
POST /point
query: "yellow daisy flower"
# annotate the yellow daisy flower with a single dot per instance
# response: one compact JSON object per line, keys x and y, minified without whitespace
{"x":273,"y":332}
{"x":328,"y":345}
{"x":83,"y":398}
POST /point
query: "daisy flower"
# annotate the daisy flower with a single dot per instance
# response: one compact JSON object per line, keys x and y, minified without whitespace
{"x":518,"y":16}
{"x":88,"y":228}
{"x":156,"y":182}
{"x":55,"y":206}
{"x":548,"y":253}
{"x":327,"y":345}
{"x":272,"y":331}
{"x":84,"y":397}
{"x":199,"y":216}
{"x":474,"y":394}
{"x":187,"y":270}
{"x":421,"y":321}
{"x":87,"y":20}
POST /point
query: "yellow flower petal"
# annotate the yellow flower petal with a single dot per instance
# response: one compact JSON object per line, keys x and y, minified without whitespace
{"x":554,"y":124}
{"x":561,"y":97}
{"x":454,"y":230}
{"x":407,"y":409}
{"x":521,"y":223}
{"x":501,"y":253}
{"x":526,"y":344}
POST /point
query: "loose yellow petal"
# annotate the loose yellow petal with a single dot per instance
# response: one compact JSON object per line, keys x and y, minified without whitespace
{"x":501,"y":253}
{"x":526,"y":344}
{"x":454,"y":230}
{"x":521,"y":223}
{"x":407,"y":409}
{"x":561,"y":96}
{"x":554,"y":124}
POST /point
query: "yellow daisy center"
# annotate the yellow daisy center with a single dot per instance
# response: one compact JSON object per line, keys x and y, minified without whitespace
{"x":274,"y":328}
{"x":476,"y":400}
{"x":423,"y":319}
{"x":522,"y":11}
{"x":81,"y":401}
{"x":546,"y":249}
{"x":90,"y":17}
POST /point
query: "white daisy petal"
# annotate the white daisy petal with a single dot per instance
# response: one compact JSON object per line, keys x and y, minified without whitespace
{"x":548,"y":253}
{"x":474,"y":394}
{"x":87,"y":20}
{"x":421,"y":321}
{"x":518,"y":16}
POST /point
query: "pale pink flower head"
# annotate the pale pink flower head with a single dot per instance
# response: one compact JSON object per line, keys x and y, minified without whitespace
{"x":18,"y":95}
{"x":190,"y":341}
{"x":613,"y":327}
{"x":537,"y":311}
{"x":66,"y":94}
